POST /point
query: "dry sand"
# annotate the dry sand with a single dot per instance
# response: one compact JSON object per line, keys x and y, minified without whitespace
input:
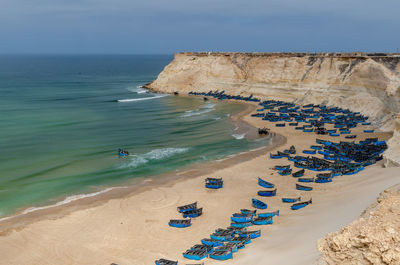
{"x":133,"y":229}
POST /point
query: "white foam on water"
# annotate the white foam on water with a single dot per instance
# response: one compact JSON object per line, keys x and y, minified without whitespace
{"x":208,"y":107}
{"x":67,"y":200}
{"x":140,"y":99}
{"x":156,"y":154}
{"x":138,"y":89}
{"x":238,"y":136}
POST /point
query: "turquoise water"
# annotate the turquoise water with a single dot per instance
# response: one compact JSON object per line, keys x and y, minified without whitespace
{"x":64,"y":117}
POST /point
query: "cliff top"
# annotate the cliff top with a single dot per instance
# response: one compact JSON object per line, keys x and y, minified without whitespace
{"x":293,"y":54}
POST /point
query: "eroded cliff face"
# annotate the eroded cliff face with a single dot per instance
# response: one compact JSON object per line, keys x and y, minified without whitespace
{"x":366,"y":83}
{"x":372,"y":239}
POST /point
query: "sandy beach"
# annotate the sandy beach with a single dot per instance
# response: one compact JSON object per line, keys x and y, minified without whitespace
{"x":131,"y":227}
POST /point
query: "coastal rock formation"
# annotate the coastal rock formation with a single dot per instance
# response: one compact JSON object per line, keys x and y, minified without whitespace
{"x":372,"y":239}
{"x":369,"y":83}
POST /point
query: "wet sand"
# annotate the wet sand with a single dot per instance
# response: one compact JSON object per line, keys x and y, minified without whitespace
{"x":130,"y":225}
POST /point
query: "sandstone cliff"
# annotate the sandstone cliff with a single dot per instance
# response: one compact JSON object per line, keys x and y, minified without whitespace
{"x":372,"y":239}
{"x":369,"y":83}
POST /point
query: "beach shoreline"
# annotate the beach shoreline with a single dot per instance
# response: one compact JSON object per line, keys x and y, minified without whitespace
{"x":133,"y":229}
{"x":69,"y":204}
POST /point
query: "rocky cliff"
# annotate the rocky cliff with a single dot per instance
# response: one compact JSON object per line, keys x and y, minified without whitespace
{"x":372,"y":239}
{"x":369,"y":83}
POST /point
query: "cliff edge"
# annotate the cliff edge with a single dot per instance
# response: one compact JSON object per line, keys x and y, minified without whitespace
{"x":374,"y":238}
{"x":369,"y":83}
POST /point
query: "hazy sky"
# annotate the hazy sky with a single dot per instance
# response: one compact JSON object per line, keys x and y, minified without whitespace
{"x":167,"y":26}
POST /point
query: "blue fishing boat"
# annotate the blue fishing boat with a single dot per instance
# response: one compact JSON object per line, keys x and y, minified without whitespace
{"x":285,"y":172}
{"x":165,"y":262}
{"x":212,"y":242}
{"x":305,"y":179}
{"x":323,"y":180}
{"x":241,"y":218}
{"x":206,"y":248}
{"x":258,"y":204}
{"x":301,"y":187}
{"x":300,"y":205}
{"x":195,"y":254}
{"x":350,"y":136}
{"x":265,"y":184}
{"x":267,"y":193}
{"x":251,"y":234}
{"x":213,"y":180}
{"x":275,"y":156}
{"x":188,"y":207}
{"x":225,"y":236}
{"x":262,"y":220}
{"x":368,"y":131}
{"x":122,"y":152}
{"x":291,"y":200}
{"x":247,"y":211}
{"x":193,"y":213}
{"x":238,"y":239}
{"x":334,"y":134}
{"x":180,"y":223}
{"x":280,"y":124}
{"x":366,"y":123}
{"x":270,"y":214}
{"x":310,"y":152}
{"x":299,"y":173}
{"x":221,"y":255}
{"x":214,"y":185}
{"x":241,"y":225}
{"x":282,"y":167}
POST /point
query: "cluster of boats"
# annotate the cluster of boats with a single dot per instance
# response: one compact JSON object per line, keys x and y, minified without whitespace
{"x":187,"y":211}
{"x":327,"y":158}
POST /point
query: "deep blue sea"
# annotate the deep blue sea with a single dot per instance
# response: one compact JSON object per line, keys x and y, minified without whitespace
{"x":64,"y":117}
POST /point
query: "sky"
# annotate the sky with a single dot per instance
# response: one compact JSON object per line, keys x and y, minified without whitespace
{"x":169,"y":26}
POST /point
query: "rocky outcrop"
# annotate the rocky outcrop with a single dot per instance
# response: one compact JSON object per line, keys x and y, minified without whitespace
{"x":372,"y":239}
{"x":369,"y":83}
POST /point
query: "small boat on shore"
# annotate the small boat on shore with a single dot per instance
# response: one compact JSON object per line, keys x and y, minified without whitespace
{"x":305,"y":179}
{"x":267,"y":193}
{"x":263,"y":220}
{"x":265,"y":184}
{"x":221,"y":255}
{"x":208,"y":249}
{"x":165,"y":262}
{"x":270,"y":214}
{"x":299,"y":173}
{"x":180,"y":223}
{"x":195,"y":254}
{"x":241,"y":218}
{"x":187,"y":208}
{"x":301,"y":187}
{"x":214,"y":183}
{"x":193,"y":213}
{"x":300,"y":205}
{"x":285,"y":172}
{"x":259,"y":204}
{"x":291,"y":200}
{"x":247,"y":211}
{"x":211,"y":242}
{"x":251,"y":234}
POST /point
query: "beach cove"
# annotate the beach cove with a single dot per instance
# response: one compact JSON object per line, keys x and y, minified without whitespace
{"x":133,"y":228}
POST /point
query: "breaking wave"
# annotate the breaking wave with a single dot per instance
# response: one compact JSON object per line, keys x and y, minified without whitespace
{"x":140,"y":99}
{"x":238,"y":136}
{"x":156,"y":154}
{"x":199,"y":111}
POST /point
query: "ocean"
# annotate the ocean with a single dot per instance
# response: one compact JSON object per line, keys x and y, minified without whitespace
{"x":64,"y":117}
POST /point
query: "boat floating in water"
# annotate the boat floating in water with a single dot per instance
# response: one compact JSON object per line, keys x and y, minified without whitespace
{"x":122,"y":152}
